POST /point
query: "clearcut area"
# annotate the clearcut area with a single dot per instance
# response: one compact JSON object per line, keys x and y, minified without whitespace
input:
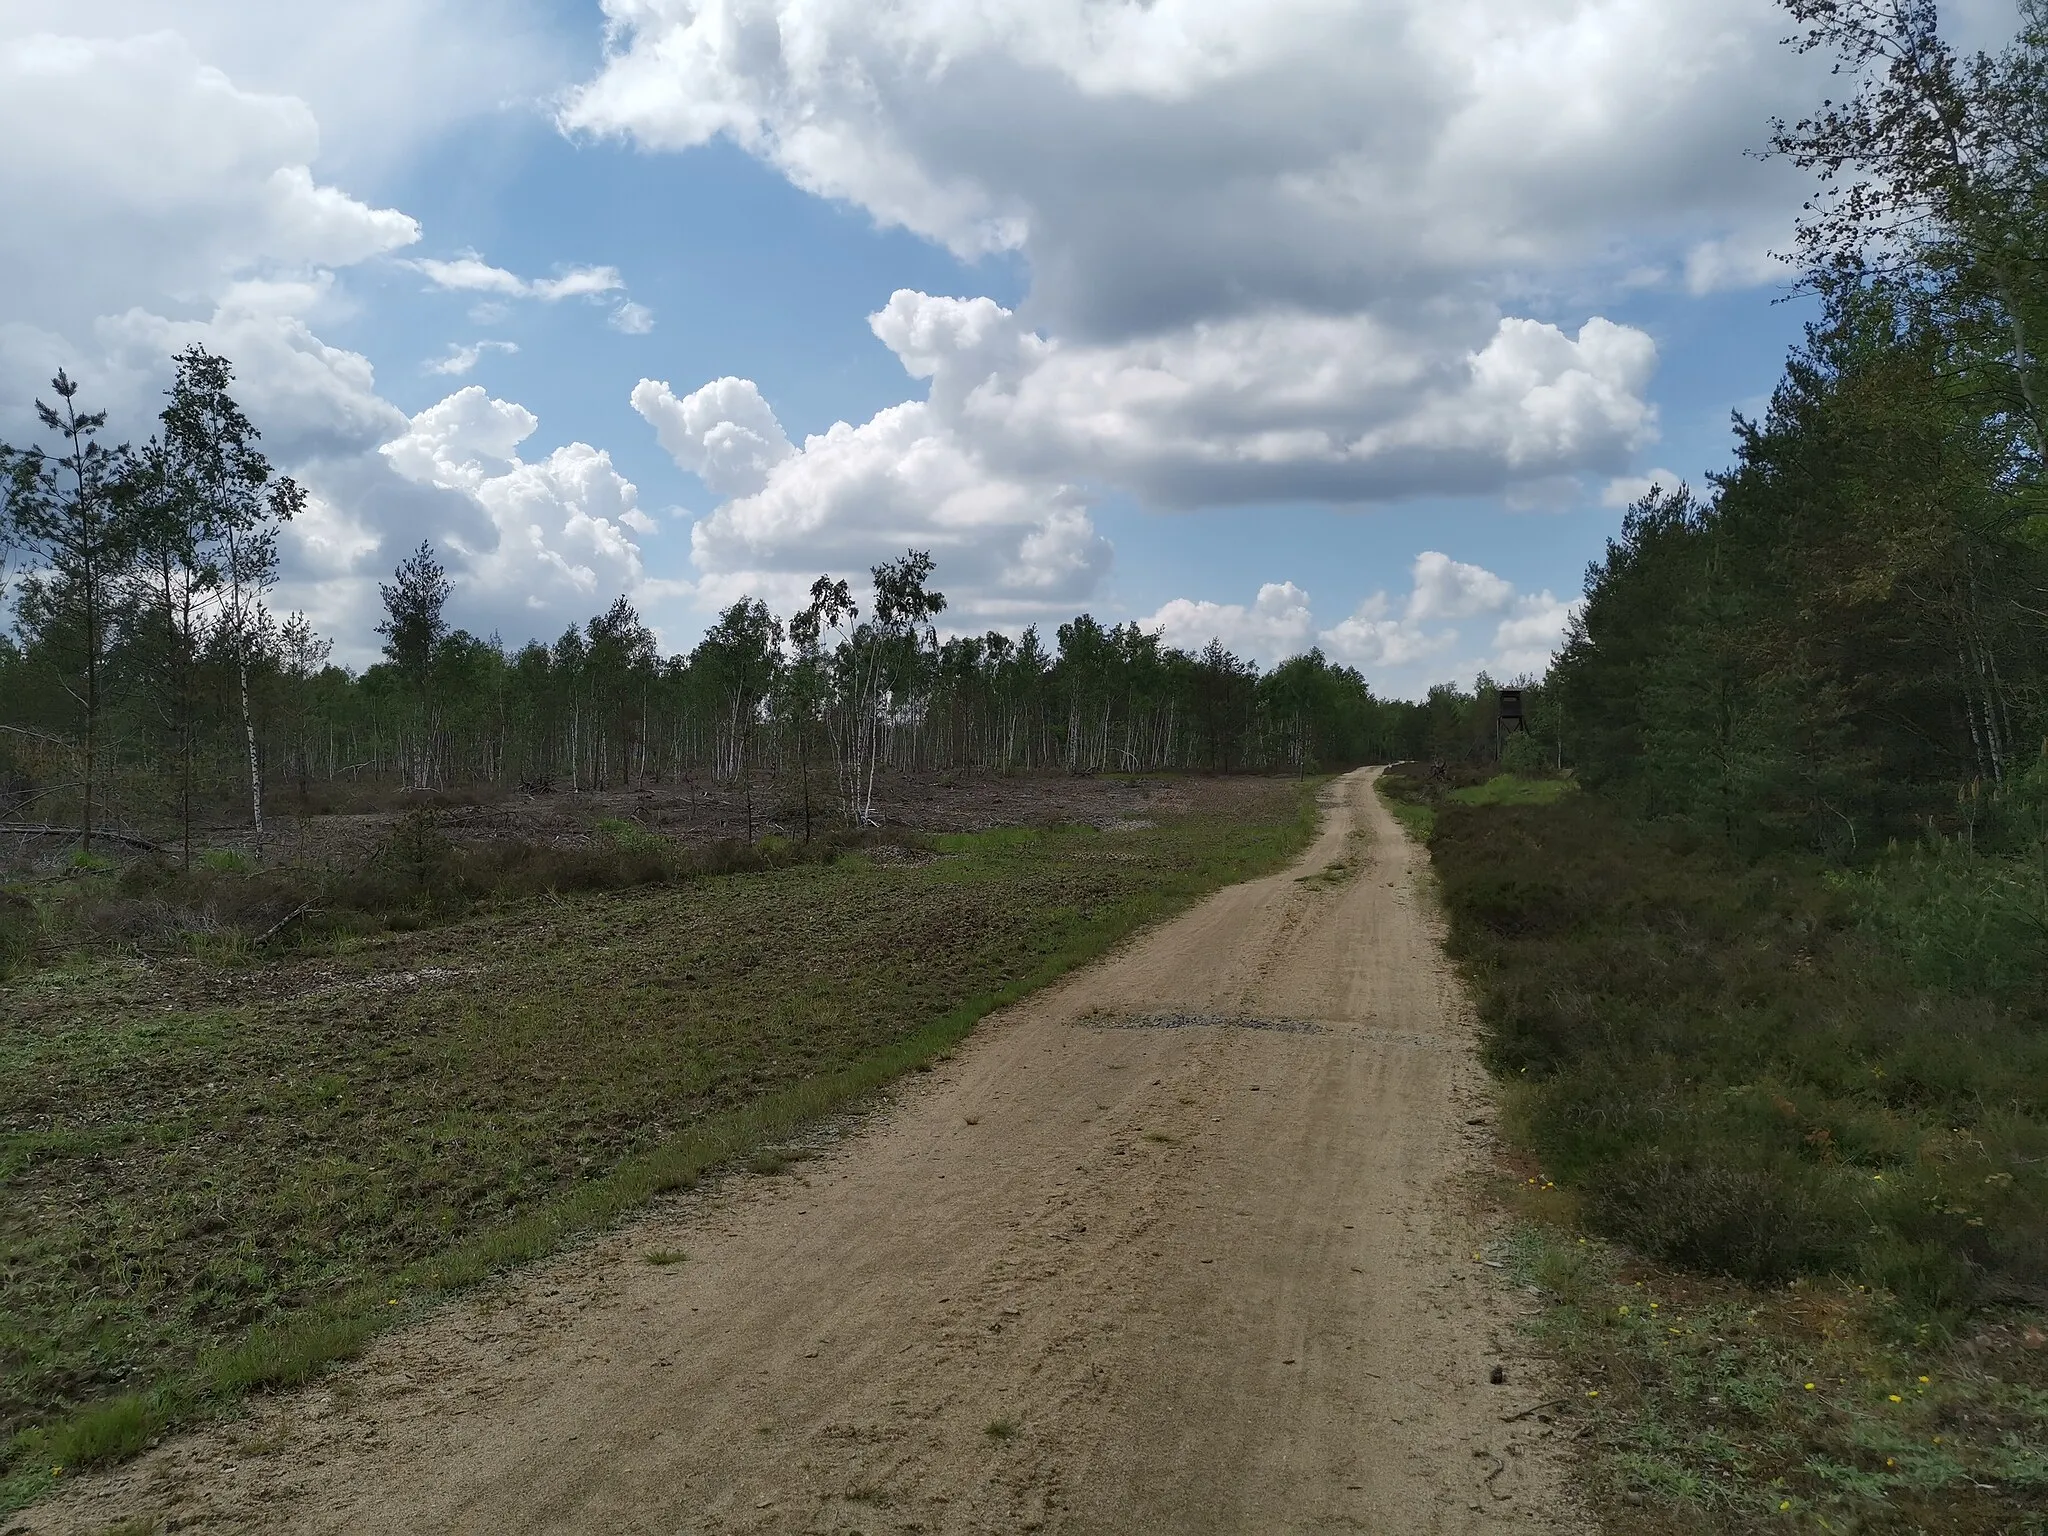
{"x":1183,"y":1243}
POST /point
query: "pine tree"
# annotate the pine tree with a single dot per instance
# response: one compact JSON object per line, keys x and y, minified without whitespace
{"x":175,"y":594}
{"x":73,"y":517}
{"x":415,"y":625}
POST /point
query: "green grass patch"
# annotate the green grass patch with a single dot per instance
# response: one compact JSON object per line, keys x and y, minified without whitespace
{"x":1836,"y":1173}
{"x":238,"y":1178}
{"x":1709,"y":1406}
{"x":1411,"y":797}
{"x":631,"y":836}
{"x":1414,"y":793}
{"x":1512,"y":789}
{"x":1420,"y":820}
{"x":997,"y":839}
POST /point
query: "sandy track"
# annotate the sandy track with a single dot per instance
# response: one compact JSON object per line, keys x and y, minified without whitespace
{"x":1194,"y":1275}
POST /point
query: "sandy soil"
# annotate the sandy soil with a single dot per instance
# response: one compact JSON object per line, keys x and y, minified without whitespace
{"x":1184,"y":1244}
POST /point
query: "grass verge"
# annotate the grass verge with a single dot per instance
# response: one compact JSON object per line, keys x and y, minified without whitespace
{"x":1414,"y":792}
{"x":1789,"y":1207}
{"x":1707,"y":1405}
{"x":220,"y":1183}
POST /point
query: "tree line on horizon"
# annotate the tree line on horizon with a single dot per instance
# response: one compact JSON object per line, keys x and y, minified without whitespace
{"x":148,"y":684}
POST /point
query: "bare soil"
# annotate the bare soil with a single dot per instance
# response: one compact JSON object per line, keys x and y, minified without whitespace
{"x":695,"y":811}
{"x":1185,"y":1243}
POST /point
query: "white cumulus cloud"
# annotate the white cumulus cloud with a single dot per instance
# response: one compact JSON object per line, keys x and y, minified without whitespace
{"x":159,"y":201}
{"x":1275,"y":625}
{"x":1379,"y":644}
{"x":1186,"y":159}
{"x":632,"y":319}
{"x":382,"y":76}
{"x":725,"y":433}
{"x":560,"y":528}
{"x":1402,"y":646}
{"x":1530,"y":635}
{"x":1281,"y":404}
{"x":855,"y":495}
{"x":1626,"y":490}
{"x":470,"y":273}
{"x":136,"y":174}
{"x":1449,"y":589}
{"x":460,"y":360}
{"x":1274,"y":245}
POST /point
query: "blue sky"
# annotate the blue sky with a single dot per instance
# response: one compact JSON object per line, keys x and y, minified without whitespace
{"x":1289,"y":323}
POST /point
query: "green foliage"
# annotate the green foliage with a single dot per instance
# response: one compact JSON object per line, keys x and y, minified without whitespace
{"x":415,"y":623}
{"x":1830,"y":1171}
{"x":110,"y":1431}
{"x":419,"y":853}
{"x":1969,"y":912}
{"x":1773,"y":999}
{"x":1963,"y":921}
{"x":1732,"y":1073}
{"x":997,"y":840}
{"x":1819,"y":654}
{"x":1707,"y":1407}
{"x":192,"y":686}
{"x":631,"y":837}
{"x":1512,"y":789}
{"x":1525,"y":755}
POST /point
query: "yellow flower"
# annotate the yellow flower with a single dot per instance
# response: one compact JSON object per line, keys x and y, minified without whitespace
{"x":1809,"y":1386}
{"x":1896,"y":1398}
{"x":1923,"y":1381}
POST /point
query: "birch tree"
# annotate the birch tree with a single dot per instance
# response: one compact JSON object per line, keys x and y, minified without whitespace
{"x":741,"y":656}
{"x":866,"y":657}
{"x":240,"y":502}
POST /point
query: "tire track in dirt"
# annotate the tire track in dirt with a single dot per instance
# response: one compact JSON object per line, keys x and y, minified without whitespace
{"x":1092,"y":1275}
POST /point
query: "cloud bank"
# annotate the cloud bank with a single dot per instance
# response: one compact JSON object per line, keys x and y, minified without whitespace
{"x":1456,"y":621}
{"x":1184,"y":160}
{"x":994,"y":470}
{"x":184,"y":208}
{"x":1278,"y":250}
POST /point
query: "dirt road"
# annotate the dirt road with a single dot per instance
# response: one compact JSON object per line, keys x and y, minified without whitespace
{"x":1180,"y":1245}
